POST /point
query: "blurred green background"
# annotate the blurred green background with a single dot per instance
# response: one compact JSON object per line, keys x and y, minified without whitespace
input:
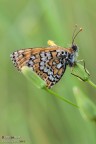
{"x":35,"y":115}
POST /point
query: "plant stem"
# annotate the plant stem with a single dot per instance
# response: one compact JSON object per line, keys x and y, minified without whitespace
{"x":56,"y":95}
{"x":39,"y":83}
{"x":91,"y":83}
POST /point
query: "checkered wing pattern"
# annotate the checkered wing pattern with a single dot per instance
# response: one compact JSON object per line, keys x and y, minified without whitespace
{"x":49,"y":63}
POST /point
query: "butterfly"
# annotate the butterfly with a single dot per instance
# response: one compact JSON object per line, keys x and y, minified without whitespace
{"x":48,"y":62}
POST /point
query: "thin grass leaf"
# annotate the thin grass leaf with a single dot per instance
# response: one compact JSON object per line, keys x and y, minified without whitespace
{"x":86,"y":106}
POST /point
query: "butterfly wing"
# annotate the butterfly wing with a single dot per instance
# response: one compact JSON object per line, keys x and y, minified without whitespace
{"x":49,"y":63}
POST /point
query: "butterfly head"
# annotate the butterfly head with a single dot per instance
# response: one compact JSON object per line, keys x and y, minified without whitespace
{"x":74,"y":48}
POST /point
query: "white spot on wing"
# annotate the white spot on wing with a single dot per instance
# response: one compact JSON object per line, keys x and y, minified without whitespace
{"x":33,"y":57}
{"x":42,"y":67}
{"x":46,"y":69}
{"x":42,"y":63}
{"x":51,"y":78}
{"x":59,"y":65}
{"x":30,"y":62}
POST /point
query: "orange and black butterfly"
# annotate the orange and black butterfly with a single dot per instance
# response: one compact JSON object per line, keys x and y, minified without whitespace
{"x":48,"y":62}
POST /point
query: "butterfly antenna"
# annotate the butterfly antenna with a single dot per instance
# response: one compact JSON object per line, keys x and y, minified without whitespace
{"x":74,"y":31}
{"x":75,"y":35}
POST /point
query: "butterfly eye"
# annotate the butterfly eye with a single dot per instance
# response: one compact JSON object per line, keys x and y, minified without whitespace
{"x":74,"y":47}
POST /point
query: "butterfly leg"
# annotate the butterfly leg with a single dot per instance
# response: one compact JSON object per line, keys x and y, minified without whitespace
{"x":78,"y":77}
{"x":84,"y":69}
{"x":51,"y":43}
{"x":84,"y":66}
